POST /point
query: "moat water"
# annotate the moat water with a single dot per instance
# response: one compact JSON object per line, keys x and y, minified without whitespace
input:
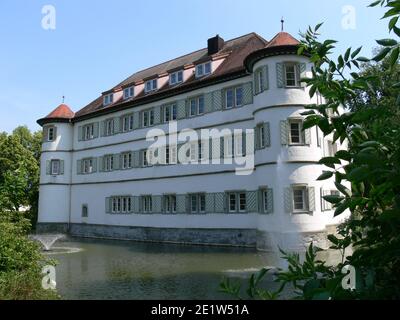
{"x":130,"y":270}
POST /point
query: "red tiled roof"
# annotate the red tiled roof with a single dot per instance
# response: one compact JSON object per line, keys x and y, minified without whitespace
{"x":61,"y":112}
{"x":283,"y":39}
{"x":235,"y":50}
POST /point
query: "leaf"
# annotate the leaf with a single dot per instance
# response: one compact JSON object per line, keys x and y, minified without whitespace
{"x":342,"y":189}
{"x":344,"y":155}
{"x":394,"y":56}
{"x":340,"y":209}
{"x":333,"y":198}
{"x":363,"y":59}
{"x":381,"y":55}
{"x":356,"y":52}
{"x":375,"y":3}
{"x":387,"y":42}
{"x":393,"y":22}
{"x":325,"y":175}
{"x":396,"y":31}
{"x":358,"y":174}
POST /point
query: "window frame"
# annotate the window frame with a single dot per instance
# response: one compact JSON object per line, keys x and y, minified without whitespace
{"x":87,"y":163}
{"x":127,"y":123}
{"x":50,"y":130}
{"x":172,"y":110}
{"x":234,"y":92}
{"x":203,"y":67}
{"x":298,"y":122}
{"x":147,"y":204}
{"x":52,"y":162}
{"x":127,"y":161}
{"x":108,"y":99}
{"x":198,"y":200}
{"x":177,"y":81}
{"x":88,"y":131}
{"x":198,"y":102}
{"x":129,"y":92}
{"x":297,"y":77}
{"x":169,"y":203}
{"x":85,"y":211}
{"x":153,"y":85}
{"x":304,"y":196}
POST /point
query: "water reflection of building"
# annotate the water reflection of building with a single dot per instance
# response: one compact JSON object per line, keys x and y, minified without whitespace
{"x":96,"y":174}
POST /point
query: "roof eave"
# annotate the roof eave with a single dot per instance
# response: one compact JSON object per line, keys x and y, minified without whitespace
{"x":255,"y":56}
{"x":44,"y":121}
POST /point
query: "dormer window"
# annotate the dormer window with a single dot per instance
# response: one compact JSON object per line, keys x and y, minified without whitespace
{"x":108,"y":99}
{"x":128,"y":92}
{"x":203,"y":69}
{"x":151,"y":85}
{"x":176,"y":77}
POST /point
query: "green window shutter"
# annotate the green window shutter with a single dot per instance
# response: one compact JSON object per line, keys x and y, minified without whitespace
{"x":181,"y":109}
{"x":208,"y":102}
{"x":217,"y":99}
{"x":181,"y":203}
{"x":247,"y":93}
{"x":80,"y":133}
{"x":219,"y":202}
{"x":95,"y":130}
{"x":210,"y":203}
{"x":280,"y":77}
{"x":267,"y":134}
{"x":61,"y":167}
{"x":55,"y":133}
{"x":251,"y":201}
{"x":79,"y":167}
{"x":116,"y":125}
{"x":101,"y":164}
{"x":307,"y":137}
{"x":48,"y":167}
{"x":302,"y":73}
{"x":257,"y":138}
{"x":102,"y":129}
{"x":256,"y":82}
{"x":116,"y":161}
{"x":136,"y":159}
{"x":157,"y":204}
{"x":157,"y":115}
{"x":136,"y":120}
{"x":270,"y":201}
{"x":94,"y":164}
{"x":136,"y":204}
{"x":284,"y":132}
{"x":45,"y":134}
{"x":288,"y":202}
{"x":108,"y":205}
{"x":311,"y":199}
{"x":266,"y":78}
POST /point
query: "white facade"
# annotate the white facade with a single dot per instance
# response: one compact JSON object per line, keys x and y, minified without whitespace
{"x":279,"y":166}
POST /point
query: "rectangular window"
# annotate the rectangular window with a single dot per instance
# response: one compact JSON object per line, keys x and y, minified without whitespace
{"x":261,"y":135}
{"x":237,"y":202}
{"x":198,"y":203}
{"x":300,"y":199}
{"x":127,"y":160}
{"x":292,"y":76}
{"x":170,"y":204}
{"x":121,"y":204}
{"x":85,"y":211}
{"x":232,"y":202}
{"x":296,"y":134}
{"x":87,"y":166}
{"x":151,"y":85}
{"x":203,"y":69}
{"x":88,"y":132}
{"x":265,"y":200}
{"x":170,"y":113}
{"x":148,"y":118}
{"x":127,"y":123}
{"x":109,"y":127}
{"x":55,"y":167}
{"x":128,"y":92}
{"x":176,"y":77}
{"x":233,"y":97}
{"x":196,"y":106}
{"x":260,"y":79}
{"x":108,"y":99}
{"x":242,"y":202}
{"x":50,"y":134}
{"x":109,"y":163}
{"x":147,"y":204}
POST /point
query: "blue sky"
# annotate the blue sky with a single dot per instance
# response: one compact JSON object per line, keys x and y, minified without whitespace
{"x":96,"y":44}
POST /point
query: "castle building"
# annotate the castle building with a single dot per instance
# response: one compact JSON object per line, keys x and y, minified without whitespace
{"x":98,"y":177}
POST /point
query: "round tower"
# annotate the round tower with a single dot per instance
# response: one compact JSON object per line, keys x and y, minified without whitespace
{"x":287,"y":161}
{"x":55,"y":170}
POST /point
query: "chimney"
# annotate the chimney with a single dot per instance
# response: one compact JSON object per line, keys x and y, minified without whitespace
{"x":215,"y":44}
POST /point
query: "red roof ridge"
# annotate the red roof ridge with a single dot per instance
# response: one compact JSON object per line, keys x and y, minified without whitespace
{"x":61,"y":112}
{"x":283,"y":39}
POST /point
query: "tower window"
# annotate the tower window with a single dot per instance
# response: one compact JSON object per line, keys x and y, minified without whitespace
{"x":55,"y":167}
{"x":296,"y":134}
{"x":292,"y":75}
{"x":50,"y":134}
{"x":300,"y":199}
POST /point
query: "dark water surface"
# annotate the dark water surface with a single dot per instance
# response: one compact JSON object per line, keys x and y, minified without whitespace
{"x":132,"y":270}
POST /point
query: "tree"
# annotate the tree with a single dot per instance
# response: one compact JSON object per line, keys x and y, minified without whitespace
{"x":371,"y":164}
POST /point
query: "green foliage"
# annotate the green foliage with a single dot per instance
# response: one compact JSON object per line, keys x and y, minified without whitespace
{"x":371,"y":165}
